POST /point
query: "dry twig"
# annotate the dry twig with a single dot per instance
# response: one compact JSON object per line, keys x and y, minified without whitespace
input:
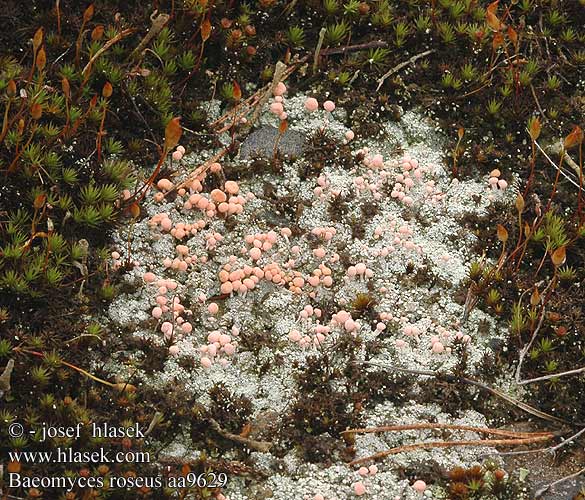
{"x":527,"y":347}
{"x":449,"y":378}
{"x":543,"y":490}
{"x":450,"y":444}
{"x":261,"y":446}
{"x":398,"y":67}
{"x":107,"y":45}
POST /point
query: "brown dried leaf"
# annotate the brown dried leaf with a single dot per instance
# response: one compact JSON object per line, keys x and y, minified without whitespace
{"x":498,"y":40}
{"x":66,"y":87}
{"x":11,"y":88}
{"x":502,"y":233}
{"x":513,"y":35}
{"x":38,"y":39}
{"x":173,"y":133}
{"x":282,"y":127}
{"x":36,"y":111}
{"x":39,"y":201}
{"x":493,"y":21}
{"x":535,"y":297}
{"x":134,"y":210}
{"x":559,"y":256}
{"x":107,"y":90}
{"x":574,"y":138}
{"x":41,"y":59}
{"x":205,"y":29}
{"x":13,"y":466}
{"x":237,"y":91}
{"x":88,"y":14}
{"x":535,"y":128}
{"x":97,"y":33}
{"x":520,"y":203}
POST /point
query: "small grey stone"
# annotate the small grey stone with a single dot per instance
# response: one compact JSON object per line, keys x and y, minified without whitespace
{"x":261,"y":142}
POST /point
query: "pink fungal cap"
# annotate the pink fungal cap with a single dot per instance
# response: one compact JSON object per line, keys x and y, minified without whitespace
{"x":205,"y":362}
{"x":177,"y":155}
{"x":329,"y":106}
{"x":164,"y":185}
{"x":280,"y":89}
{"x":359,"y":488}
{"x":419,"y":486}
{"x":294,"y":335}
{"x":149,"y":277}
{"x":363,"y":471}
{"x":218,"y":196}
{"x":319,"y":252}
{"x":311,"y":104}
{"x":350,"y":325}
{"x":377,"y":161}
{"x":255,"y":253}
{"x":350,"y":135}
{"x":232,"y":187}
{"x":342,"y":316}
{"x":276,"y":108}
{"x":313,"y":280}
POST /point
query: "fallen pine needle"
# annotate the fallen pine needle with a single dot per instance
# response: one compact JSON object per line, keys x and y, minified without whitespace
{"x":450,"y":444}
{"x":480,"y":430}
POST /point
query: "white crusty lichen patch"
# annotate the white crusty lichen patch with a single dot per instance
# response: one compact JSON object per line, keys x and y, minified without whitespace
{"x":409,"y":255}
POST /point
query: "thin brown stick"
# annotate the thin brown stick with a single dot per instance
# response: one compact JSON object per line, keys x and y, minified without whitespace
{"x":450,"y":444}
{"x":318,"y":49}
{"x":354,"y":48}
{"x":398,"y":67}
{"x":262,"y":446}
{"x":566,"y":441}
{"x":527,"y":347}
{"x":157,"y":24}
{"x":543,"y":490}
{"x":537,"y":102}
{"x":199,"y":170}
{"x":107,"y":45}
{"x":251,"y":102}
{"x":576,"y":371}
{"x":279,"y":70}
{"x":481,"y":430}
{"x":449,"y":378}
